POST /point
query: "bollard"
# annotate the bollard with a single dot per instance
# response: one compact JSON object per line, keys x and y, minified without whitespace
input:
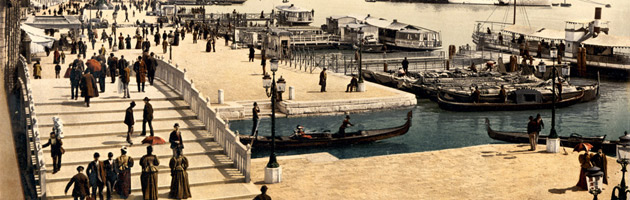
{"x":291,"y":93}
{"x":220,"y":96}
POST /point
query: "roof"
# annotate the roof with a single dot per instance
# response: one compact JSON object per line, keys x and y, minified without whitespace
{"x":608,"y":41}
{"x":291,"y":8}
{"x":549,"y":34}
{"x":58,"y":22}
{"x":386,"y":24}
{"x":38,"y":37}
{"x":341,"y":16}
{"x":518,"y":29}
{"x":583,"y":21}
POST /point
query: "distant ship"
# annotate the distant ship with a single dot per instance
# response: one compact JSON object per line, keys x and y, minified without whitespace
{"x":503,"y":2}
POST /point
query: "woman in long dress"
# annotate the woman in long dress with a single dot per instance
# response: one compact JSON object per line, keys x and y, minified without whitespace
{"x":585,"y":163}
{"x":180,"y":189}
{"x":124,"y":163}
{"x":149,"y":176}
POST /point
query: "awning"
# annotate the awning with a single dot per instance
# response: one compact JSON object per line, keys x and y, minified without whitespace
{"x":518,"y":29}
{"x":536,"y":32}
{"x":549,"y":34}
{"x":39,"y":39}
{"x":604,"y":40}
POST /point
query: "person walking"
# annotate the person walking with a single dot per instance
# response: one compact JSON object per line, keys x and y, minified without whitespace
{"x":96,"y":173}
{"x":164,"y":46}
{"x":130,"y":121}
{"x":263,"y":194}
{"x":263,"y":63}
{"x":112,"y":65}
{"x":102,"y":75}
{"x":322,"y":80}
{"x":255,"y":111}
{"x":81,"y":187}
{"x":531,"y":131}
{"x":63,"y":57}
{"x":180,"y":189}
{"x":37,"y":70}
{"x":140,"y":68}
{"x":56,"y":56}
{"x":539,"y":126}
{"x":146,"y":45}
{"x":251,"y":53}
{"x":147,"y":117}
{"x":124,"y":76}
{"x":128,"y":42}
{"x":156,"y":38}
{"x":111,"y":176}
{"x":209,"y":46}
{"x":600,"y":160}
{"x":149,"y":176}
{"x":57,"y":70}
{"x":195,"y":37}
{"x":56,"y":150}
{"x":124,"y":163}
{"x":214,"y":40}
{"x":175,"y":138}
{"x":585,"y":163}
{"x":151,"y":67}
{"x":88,"y":87}
{"x":75,"y":79}
{"x":405,"y":65}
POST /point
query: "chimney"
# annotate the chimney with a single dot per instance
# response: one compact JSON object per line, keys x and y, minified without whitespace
{"x":291,"y":6}
{"x":598,"y":16}
{"x":395,"y":20}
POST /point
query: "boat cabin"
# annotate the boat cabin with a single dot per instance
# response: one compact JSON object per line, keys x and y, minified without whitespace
{"x":405,"y":36}
{"x":350,"y":33}
{"x":527,"y":96}
{"x":293,"y":15}
{"x":277,"y":43}
{"x":335,"y":24}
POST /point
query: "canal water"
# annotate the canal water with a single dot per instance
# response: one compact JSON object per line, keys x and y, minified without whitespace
{"x":433,"y":128}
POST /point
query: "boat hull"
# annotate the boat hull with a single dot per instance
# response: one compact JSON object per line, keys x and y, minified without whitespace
{"x":477,"y":107}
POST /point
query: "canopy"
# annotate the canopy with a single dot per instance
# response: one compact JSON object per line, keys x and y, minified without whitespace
{"x":608,"y":41}
{"x":549,"y":34}
{"x":39,"y":39}
{"x":518,"y":29}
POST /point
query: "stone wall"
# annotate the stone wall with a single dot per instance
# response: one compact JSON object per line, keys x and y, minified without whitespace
{"x":10,"y":44}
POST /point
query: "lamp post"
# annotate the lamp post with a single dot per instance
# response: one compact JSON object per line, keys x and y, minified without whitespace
{"x":594,"y":181}
{"x":554,"y":54}
{"x":273,"y":171}
{"x":360,"y":84}
{"x":623,"y":158}
{"x":170,"y":48}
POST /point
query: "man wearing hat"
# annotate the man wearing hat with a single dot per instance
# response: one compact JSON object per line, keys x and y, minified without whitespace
{"x":344,"y":125}
{"x":263,"y":194}
{"x":147,"y":117}
{"x":56,"y":150}
{"x":322,"y":80}
{"x":96,"y":173}
{"x":81,"y":187}
{"x":124,"y":164}
{"x":176,"y":139}
{"x":130,"y":121}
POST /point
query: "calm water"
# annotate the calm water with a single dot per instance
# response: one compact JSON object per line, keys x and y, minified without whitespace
{"x":433,"y":128}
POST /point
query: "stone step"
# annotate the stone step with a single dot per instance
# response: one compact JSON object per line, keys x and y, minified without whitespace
{"x":118,"y":117}
{"x":137,"y":151}
{"x":210,"y":191}
{"x":196,"y":177}
{"x":114,"y":107}
{"x":118,"y":144}
{"x":195,"y":160}
{"x":107,"y":141}
{"x":119,"y":128}
{"x":100,"y":100}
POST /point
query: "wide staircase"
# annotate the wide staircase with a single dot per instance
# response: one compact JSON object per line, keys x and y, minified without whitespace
{"x":99,"y":128}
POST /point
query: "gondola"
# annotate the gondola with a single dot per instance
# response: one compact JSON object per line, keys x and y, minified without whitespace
{"x":328,"y":139}
{"x":526,"y":100}
{"x":573,"y":140}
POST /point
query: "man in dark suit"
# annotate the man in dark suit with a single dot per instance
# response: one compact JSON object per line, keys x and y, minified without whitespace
{"x":175,"y":138}
{"x":55,"y":144}
{"x":130,"y":121}
{"x":322,"y":80}
{"x":81,"y":187}
{"x":111,"y":174}
{"x":151,"y":67}
{"x":147,"y":117}
{"x":96,"y":173}
{"x":112,"y":63}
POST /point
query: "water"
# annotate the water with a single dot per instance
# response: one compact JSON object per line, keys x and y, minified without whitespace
{"x":433,"y":128}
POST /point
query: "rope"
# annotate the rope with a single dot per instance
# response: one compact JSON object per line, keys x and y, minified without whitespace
{"x":484,"y":22}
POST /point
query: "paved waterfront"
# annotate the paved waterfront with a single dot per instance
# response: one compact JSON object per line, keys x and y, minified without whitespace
{"x":502,"y":171}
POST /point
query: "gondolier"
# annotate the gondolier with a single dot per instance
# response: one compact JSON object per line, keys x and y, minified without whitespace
{"x":344,"y":125}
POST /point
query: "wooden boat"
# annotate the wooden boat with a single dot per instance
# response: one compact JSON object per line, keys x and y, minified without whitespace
{"x":328,"y":139}
{"x":525,"y":100}
{"x":571,"y":141}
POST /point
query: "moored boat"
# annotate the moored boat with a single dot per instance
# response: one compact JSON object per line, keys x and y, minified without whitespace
{"x":598,"y":142}
{"x":524,"y":99}
{"x":328,"y":139}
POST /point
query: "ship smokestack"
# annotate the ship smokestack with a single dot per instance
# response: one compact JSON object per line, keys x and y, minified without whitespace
{"x":395,"y":20}
{"x":596,"y":26}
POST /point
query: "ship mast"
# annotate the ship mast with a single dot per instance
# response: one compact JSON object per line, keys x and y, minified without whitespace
{"x":514,"y":21}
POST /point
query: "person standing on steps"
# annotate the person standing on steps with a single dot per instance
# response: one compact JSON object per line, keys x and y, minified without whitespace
{"x":56,"y":150}
{"x":88,"y":87}
{"x":75,"y":79}
{"x":130,"y":121}
{"x":180,"y":189}
{"x":112,"y":64}
{"x":140,"y":68}
{"x":81,"y":187}
{"x":147,"y":117}
{"x":96,"y":173}
{"x":175,"y":138}
{"x":111,"y":175}
{"x":124,"y":163}
{"x":149,"y":176}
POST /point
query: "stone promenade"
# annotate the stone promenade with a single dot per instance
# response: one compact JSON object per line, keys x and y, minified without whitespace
{"x":99,"y":128}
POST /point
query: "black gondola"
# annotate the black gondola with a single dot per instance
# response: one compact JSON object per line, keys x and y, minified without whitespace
{"x":525,"y":99}
{"x":328,"y":139}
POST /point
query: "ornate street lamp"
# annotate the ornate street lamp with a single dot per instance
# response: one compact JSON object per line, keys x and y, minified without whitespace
{"x":360,"y":37}
{"x":273,"y":171}
{"x":623,"y":158}
{"x":554,"y":54}
{"x":542,"y":68}
{"x":281,"y":86}
{"x":594,"y":181}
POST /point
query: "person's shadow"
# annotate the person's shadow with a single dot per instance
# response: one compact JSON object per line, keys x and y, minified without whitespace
{"x":574,"y":188}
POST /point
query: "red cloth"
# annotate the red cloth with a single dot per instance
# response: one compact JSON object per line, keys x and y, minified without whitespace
{"x":582,"y":182}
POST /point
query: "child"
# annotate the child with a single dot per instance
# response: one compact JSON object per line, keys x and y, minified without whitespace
{"x":57,"y":70}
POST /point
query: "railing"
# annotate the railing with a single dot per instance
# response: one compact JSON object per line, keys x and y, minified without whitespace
{"x":229,"y":141}
{"x":315,"y":38}
{"x":34,"y":153}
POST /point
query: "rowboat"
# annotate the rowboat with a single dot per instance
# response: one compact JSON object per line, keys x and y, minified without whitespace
{"x":571,"y":141}
{"x":526,"y":99}
{"x":327,"y":138}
